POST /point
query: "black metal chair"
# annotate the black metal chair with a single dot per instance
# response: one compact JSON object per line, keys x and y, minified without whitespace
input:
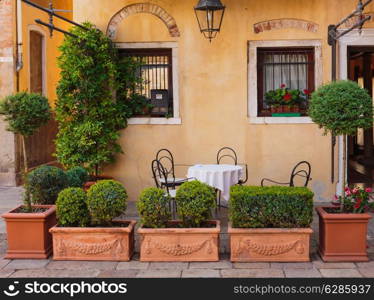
{"x":230,"y":154}
{"x":165,"y":157}
{"x":302,"y":169}
{"x":160,"y":176}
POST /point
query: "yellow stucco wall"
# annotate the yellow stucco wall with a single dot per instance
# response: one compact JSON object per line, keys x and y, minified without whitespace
{"x":51,"y":44}
{"x":213,"y":91}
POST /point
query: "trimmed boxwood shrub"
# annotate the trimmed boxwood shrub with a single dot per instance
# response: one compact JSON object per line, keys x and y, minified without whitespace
{"x":71,"y":208}
{"x":194,"y":203}
{"x":270,"y":207}
{"x":153,"y":208}
{"x":106,"y":200}
{"x":44,"y":184}
{"x":77,"y":176}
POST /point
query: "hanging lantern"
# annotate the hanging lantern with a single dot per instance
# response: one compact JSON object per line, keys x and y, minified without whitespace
{"x":209,"y":14}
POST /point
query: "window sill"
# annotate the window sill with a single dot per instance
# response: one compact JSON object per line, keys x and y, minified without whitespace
{"x":155,"y":121}
{"x":280,"y":120}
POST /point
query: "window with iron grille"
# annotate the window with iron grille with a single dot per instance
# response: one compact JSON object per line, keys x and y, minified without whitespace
{"x":290,"y":67}
{"x":155,"y":70}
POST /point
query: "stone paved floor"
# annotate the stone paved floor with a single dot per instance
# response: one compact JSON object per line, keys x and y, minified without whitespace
{"x":10,"y":197}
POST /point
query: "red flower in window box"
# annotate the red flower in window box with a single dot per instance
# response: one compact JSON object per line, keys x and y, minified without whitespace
{"x":307,"y":92}
{"x":282,"y":86}
{"x":287,"y":97}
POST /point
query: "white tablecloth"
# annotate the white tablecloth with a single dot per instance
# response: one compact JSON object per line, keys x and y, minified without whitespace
{"x":221,"y":177}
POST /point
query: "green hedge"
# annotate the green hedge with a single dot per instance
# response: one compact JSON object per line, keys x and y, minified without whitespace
{"x":71,"y":208}
{"x":153,"y":208}
{"x":270,"y":207}
{"x":106,"y":200}
{"x":194,"y":203}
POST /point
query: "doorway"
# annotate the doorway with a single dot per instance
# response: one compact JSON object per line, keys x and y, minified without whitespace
{"x":361,"y":146}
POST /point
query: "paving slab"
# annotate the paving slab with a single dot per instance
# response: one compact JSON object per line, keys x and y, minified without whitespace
{"x":82,"y":265}
{"x":4,"y":262}
{"x":302,"y":273}
{"x":340,"y":273}
{"x":159,"y":274}
{"x":333,"y":265}
{"x":6,"y":273}
{"x":253,"y":273}
{"x":201,"y":273}
{"x":26,"y":264}
{"x":133,"y":264}
{"x":367,"y":272}
{"x":243,"y":265}
{"x":366,"y":265}
{"x":118,"y":274}
{"x":223,"y":264}
{"x":45,"y":273}
{"x":299,"y":265}
{"x":168,"y":265}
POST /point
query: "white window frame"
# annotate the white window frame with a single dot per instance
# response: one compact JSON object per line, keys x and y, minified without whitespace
{"x":175,"y":120}
{"x":252,"y":78}
{"x":38,"y":29}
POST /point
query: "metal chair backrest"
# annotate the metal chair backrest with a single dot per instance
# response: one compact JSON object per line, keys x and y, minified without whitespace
{"x":227,"y":152}
{"x":160,"y":175}
{"x":165,"y":157}
{"x":302,"y":169}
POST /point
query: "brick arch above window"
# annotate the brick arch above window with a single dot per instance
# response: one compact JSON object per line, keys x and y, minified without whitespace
{"x":138,"y":8}
{"x":269,"y":25}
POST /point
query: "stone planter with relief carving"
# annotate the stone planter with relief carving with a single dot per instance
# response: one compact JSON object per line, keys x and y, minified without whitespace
{"x":94,"y":243}
{"x":175,"y":244}
{"x":269,"y":244}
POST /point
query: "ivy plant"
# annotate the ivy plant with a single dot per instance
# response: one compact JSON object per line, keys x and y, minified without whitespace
{"x":88,"y":115}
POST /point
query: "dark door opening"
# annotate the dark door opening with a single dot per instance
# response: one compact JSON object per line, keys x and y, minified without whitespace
{"x":360,"y":147}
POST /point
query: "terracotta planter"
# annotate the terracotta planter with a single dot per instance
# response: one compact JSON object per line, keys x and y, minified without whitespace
{"x":286,"y":109}
{"x":180,"y":244}
{"x":28,"y":233}
{"x":342,"y":237}
{"x":90,"y":183}
{"x":94,"y":243}
{"x":269,"y":244}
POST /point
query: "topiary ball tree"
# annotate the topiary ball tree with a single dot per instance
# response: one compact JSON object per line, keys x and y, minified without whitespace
{"x":106,"y":200}
{"x":71,"y":208}
{"x":154,"y":209}
{"x":25,"y":113}
{"x":44,"y":184}
{"x":341,"y":108}
{"x":194,"y":203}
{"x":77,"y":176}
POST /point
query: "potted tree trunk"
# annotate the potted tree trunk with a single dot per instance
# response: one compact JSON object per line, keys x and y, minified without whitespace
{"x":27,"y":225}
{"x":270,"y":224}
{"x":193,"y":238}
{"x":87,"y":228}
{"x":341,"y":108}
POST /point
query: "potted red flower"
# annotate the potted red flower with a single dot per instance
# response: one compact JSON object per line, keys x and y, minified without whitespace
{"x":343,"y":226}
{"x":284,"y":101}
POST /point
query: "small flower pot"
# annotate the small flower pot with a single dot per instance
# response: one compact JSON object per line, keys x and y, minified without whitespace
{"x":94,"y":243}
{"x":180,"y":244}
{"x":28,"y":233}
{"x":269,"y":244}
{"x":342,"y":236}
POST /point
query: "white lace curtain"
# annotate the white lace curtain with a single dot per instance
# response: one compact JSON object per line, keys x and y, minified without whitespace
{"x":288,"y":69}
